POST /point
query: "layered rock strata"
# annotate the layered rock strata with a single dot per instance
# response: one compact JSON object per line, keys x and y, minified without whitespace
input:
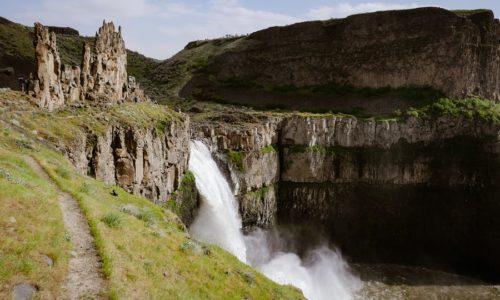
{"x":417,"y":47}
{"x":244,"y":149}
{"x":409,"y":191}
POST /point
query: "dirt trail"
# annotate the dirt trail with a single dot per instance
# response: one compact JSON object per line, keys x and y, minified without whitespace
{"x":84,"y":279}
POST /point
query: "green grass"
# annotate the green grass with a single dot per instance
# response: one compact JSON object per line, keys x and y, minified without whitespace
{"x":67,"y":125}
{"x":112,"y":219}
{"x":413,"y":93}
{"x":31,"y":225}
{"x":260,"y":193}
{"x":268,"y":149}
{"x":147,"y":256}
{"x":16,"y":40}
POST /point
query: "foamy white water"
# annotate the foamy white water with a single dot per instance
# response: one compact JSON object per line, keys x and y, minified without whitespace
{"x":218,"y":221}
{"x":321,"y":275}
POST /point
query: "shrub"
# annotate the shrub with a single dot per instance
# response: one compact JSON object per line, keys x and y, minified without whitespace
{"x":268,"y":149}
{"x":112,"y":219}
{"x":63,"y":172}
{"x":236,"y":159}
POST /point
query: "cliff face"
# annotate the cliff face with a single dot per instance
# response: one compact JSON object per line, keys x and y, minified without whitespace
{"x":383,"y":191}
{"x":244,"y":149}
{"x":144,"y":161}
{"x":418,"y":47}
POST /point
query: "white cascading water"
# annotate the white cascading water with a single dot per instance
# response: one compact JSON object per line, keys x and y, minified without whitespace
{"x":322,"y":274}
{"x":218,"y":221}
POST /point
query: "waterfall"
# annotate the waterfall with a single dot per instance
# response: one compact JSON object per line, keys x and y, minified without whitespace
{"x":218,"y":221}
{"x":321,"y":274}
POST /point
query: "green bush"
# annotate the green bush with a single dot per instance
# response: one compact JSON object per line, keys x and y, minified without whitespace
{"x":470,"y":108}
{"x":268,"y":149}
{"x":112,"y":219}
{"x":236,"y":159}
{"x":63,"y":172}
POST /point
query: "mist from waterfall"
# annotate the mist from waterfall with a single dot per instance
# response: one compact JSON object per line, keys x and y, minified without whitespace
{"x":320,"y":274}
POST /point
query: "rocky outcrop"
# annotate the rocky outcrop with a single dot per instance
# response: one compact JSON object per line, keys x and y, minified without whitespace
{"x":404,"y":48}
{"x":144,"y":161}
{"x":108,"y":70}
{"x":48,"y":88}
{"x":102,"y":76}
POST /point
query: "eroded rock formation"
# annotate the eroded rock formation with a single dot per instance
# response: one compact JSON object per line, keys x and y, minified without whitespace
{"x":48,"y":87}
{"x":109,"y":69}
{"x":102,"y":76}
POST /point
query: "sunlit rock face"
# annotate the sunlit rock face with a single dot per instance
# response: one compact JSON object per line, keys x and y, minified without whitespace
{"x":48,"y":88}
{"x":144,"y":161}
{"x":108,"y":70}
{"x":102,"y":76}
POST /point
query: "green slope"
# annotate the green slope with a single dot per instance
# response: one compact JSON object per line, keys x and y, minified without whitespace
{"x":145,"y":255}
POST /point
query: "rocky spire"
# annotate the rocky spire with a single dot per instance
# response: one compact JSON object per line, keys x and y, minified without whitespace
{"x":102,"y":76}
{"x":110,"y":65}
{"x":48,"y":90}
{"x":87,"y":81}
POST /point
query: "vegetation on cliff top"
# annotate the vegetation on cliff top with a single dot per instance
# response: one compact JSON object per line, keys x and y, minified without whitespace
{"x":69,"y":123}
{"x":146,"y":255}
{"x":470,"y":108}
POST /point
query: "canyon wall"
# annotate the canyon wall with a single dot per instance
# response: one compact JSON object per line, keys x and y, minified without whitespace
{"x":408,"y":191}
{"x":404,"y":48}
{"x":243,"y":145}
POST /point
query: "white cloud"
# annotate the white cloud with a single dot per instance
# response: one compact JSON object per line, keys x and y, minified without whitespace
{"x":159,"y":28}
{"x":212,"y":19}
{"x":346,"y":9}
{"x":217,"y":18}
{"x":87,"y":12}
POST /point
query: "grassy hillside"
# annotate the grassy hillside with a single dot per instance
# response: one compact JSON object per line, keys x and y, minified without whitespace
{"x":31,"y":227}
{"x":145,"y":250}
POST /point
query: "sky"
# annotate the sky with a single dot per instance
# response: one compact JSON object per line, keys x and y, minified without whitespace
{"x":161,"y":28}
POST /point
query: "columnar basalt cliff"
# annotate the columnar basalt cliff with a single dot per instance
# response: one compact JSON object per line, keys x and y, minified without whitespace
{"x":144,"y":161}
{"x":362,"y":179}
{"x":404,"y":48}
{"x":102,"y":76}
